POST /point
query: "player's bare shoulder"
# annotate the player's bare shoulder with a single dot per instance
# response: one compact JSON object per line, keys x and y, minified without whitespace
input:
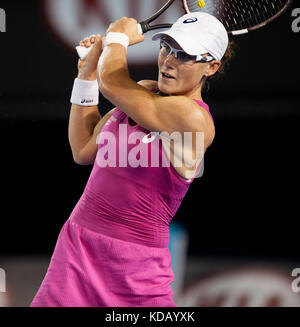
{"x":148,"y":84}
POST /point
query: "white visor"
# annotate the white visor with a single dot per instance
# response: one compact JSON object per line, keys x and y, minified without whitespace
{"x":197,"y":34}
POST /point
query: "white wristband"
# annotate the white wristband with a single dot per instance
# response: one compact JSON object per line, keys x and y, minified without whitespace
{"x":114,"y":37}
{"x":85,"y":93}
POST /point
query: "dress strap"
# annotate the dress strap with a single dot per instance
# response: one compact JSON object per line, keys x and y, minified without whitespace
{"x":205,"y":106}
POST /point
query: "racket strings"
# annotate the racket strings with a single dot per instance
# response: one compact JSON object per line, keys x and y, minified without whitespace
{"x":240,"y":14}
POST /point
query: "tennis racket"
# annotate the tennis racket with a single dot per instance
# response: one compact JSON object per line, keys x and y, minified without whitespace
{"x":238,"y":16}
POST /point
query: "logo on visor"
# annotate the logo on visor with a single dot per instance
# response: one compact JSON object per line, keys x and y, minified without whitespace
{"x":190,"y":20}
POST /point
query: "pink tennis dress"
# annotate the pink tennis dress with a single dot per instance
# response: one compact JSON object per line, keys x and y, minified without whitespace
{"x":113,"y":250}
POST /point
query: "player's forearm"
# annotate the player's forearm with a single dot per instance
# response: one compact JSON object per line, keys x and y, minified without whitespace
{"x":117,"y":86}
{"x":113,"y":68}
{"x":82,"y":122}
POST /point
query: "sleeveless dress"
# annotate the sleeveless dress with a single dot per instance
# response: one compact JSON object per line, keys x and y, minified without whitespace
{"x":113,"y":249}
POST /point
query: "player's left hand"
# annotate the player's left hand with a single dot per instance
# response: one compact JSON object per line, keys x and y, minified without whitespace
{"x":129,"y":27}
{"x":87,"y":69}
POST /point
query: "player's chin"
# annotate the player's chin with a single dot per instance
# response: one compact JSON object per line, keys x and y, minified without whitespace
{"x":166,"y":88}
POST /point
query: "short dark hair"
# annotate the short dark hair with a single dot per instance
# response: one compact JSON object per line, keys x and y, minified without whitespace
{"x":229,"y":54}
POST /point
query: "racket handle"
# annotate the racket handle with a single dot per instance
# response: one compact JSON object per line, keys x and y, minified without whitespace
{"x":140,"y":29}
{"x":83,"y":51}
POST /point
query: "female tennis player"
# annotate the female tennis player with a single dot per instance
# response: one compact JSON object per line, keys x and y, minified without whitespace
{"x":113,"y":249}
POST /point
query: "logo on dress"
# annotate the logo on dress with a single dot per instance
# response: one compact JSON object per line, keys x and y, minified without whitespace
{"x":149,"y":138}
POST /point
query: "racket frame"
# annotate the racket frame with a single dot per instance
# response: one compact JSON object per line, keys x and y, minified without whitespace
{"x":146,"y":23}
{"x":252,"y":28}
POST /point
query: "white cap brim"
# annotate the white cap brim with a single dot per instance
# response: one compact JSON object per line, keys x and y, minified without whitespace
{"x":183,"y":40}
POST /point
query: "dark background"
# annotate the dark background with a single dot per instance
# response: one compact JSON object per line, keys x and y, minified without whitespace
{"x":246,"y":204}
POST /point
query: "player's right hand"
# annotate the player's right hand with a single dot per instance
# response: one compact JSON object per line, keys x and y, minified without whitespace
{"x":87,"y":69}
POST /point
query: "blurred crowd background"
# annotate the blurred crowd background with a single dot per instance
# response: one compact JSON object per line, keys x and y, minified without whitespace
{"x":235,"y":239}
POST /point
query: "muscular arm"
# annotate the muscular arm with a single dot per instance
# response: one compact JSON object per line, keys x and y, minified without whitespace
{"x":85,"y":123}
{"x":84,"y":126}
{"x":149,"y":110}
{"x":82,"y":122}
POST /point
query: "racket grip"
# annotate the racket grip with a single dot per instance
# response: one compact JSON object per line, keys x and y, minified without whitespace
{"x":83,"y":51}
{"x":140,"y":29}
